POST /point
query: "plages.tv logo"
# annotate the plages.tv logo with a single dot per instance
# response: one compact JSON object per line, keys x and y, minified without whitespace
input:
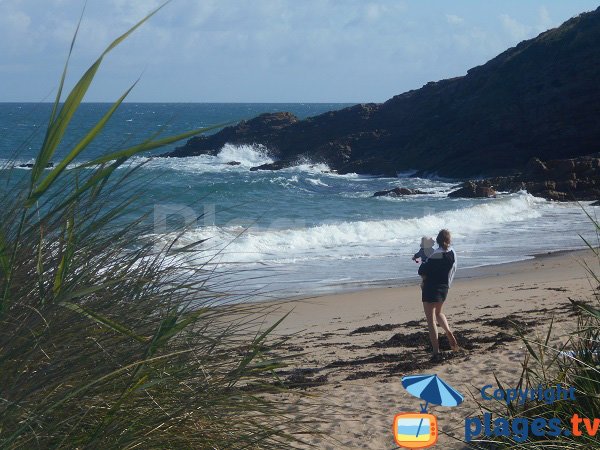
{"x":420,"y":430}
{"x":520,"y":429}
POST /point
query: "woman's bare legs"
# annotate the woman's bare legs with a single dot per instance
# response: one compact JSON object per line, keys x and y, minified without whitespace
{"x":434,"y":315}
{"x":432,"y":326}
{"x":443,"y":322}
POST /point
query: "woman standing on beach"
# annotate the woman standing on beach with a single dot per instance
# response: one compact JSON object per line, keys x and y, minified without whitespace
{"x":437,"y":274}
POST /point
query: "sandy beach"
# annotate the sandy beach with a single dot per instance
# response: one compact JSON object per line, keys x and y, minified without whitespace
{"x":349,"y":351}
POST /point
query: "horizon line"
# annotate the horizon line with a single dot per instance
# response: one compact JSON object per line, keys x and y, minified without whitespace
{"x":195,"y":103}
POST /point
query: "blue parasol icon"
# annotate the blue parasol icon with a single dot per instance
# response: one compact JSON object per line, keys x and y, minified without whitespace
{"x":432,"y":389}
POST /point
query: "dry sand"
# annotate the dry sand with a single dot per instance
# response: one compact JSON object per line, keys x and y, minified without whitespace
{"x":351,"y":350}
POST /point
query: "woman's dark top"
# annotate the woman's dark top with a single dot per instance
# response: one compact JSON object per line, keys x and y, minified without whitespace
{"x":438,"y":272}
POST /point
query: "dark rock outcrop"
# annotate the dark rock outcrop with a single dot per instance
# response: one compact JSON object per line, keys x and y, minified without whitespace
{"x":398,"y":192}
{"x":472,"y":189}
{"x":277,"y":165}
{"x":560,"y":180}
{"x":260,"y":130}
{"x":49,"y":165}
{"x":540,"y":98}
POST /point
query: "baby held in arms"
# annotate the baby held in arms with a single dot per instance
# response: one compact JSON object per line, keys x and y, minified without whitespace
{"x":425,"y":251}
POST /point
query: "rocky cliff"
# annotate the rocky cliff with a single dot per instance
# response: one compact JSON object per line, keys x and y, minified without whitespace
{"x":538,"y":99}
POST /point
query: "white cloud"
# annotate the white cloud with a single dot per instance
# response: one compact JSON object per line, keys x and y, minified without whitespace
{"x":514,"y":28}
{"x":453,"y":19}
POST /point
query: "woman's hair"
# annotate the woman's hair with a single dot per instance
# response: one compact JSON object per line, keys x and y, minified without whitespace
{"x":443,"y":239}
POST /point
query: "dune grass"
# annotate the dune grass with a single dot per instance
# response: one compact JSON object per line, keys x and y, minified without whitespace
{"x":106,"y":341}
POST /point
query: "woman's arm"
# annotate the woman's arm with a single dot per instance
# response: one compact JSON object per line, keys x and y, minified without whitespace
{"x":424,"y":268}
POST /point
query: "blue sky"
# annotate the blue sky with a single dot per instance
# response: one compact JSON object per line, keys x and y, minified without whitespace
{"x":263,"y":50}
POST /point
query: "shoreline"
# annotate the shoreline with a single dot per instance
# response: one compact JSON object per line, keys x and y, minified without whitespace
{"x":462,"y":273}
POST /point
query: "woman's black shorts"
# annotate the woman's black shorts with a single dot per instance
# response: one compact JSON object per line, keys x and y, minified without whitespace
{"x":434,"y":294}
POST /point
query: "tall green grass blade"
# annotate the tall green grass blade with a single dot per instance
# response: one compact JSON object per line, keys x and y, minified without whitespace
{"x":38,"y":166}
{"x":588,"y":309}
{"x":104,"y":321}
{"x":4,"y":258}
{"x":59,"y":126}
{"x":171,"y":326}
{"x":589,"y":245}
{"x":90,"y":136}
{"x":125,"y":35}
{"x":192,"y":247}
{"x":256,"y":344}
{"x":84,"y":292}
{"x":549,"y":332}
{"x":592,"y":219}
{"x":530,"y":349}
{"x":39,"y":267}
{"x":66,"y":258}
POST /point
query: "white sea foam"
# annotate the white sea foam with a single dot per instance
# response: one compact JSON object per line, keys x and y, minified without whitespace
{"x":317,"y":182}
{"x":366,"y":239}
{"x":311,"y":168}
{"x":247,"y":155}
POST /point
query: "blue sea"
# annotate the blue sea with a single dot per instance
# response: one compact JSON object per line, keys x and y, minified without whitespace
{"x":303,"y":230}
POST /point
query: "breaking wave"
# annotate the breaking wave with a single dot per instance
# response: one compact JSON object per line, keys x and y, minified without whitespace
{"x":291,"y":242}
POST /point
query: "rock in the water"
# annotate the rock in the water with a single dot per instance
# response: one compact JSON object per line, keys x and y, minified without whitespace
{"x":233,"y":163}
{"x":472,"y":189}
{"x":277,"y":165}
{"x":30,"y":165}
{"x":398,"y":192}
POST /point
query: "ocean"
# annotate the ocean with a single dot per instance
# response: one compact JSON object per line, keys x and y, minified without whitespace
{"x":302,"y":230}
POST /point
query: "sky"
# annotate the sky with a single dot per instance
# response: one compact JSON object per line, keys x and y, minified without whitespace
{"x":262,"y":50}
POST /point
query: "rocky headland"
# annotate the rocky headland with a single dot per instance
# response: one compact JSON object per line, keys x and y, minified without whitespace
{"x":540,"y":99}
{"x":560,"y":180}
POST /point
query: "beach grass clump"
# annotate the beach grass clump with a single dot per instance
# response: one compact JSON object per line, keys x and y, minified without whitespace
{"x":572,"y":411}
{"x":107,"y":340}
